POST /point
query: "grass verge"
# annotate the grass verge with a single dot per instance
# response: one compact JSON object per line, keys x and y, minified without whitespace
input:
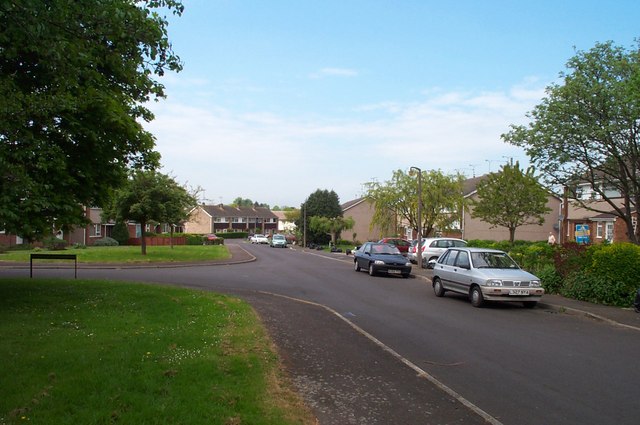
{"x":103,"y":352}
{"x":132,"y":254}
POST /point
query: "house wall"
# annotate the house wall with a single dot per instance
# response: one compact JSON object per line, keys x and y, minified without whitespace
{"x":362,"y":214}
{"x":200,"y":222}
{"x":474,"y":228}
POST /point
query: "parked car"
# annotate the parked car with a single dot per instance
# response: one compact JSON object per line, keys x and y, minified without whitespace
{"x":484,"y":275}
{"x":432,"y":248}
{"x":378,"y":257}
{"x":402,"y":244}
{"x":259,"y":238}
{"x":412,"y":251}
{"x":278,"y":241}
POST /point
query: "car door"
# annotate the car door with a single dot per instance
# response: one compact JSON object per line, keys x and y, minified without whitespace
{"x":460,"y":277}
{"x":363,"y":254}
{"x":443,"y":268}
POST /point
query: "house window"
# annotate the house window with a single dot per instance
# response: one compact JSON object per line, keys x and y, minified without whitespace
{"x":599,"y":230}
{"x":97,"y":230}
{"x":220,"y":220}
{"x":236,"y":220}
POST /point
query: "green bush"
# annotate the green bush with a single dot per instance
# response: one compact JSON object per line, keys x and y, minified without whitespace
{"x":120,"y":233}
{"x":551,"y":280}
{"x":582,"y":286}
{"x":79,"y":246}
{"x":54,"y":244}
{"x":106,"y":241}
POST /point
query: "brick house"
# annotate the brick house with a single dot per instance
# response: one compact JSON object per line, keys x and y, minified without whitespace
{"x":362,"y":210}
{"x":205,"y":219}
{"x":587,"y":226}
{"x":475,"y":228}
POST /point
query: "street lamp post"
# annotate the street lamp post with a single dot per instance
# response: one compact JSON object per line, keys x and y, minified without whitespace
{"x":419,"y":247}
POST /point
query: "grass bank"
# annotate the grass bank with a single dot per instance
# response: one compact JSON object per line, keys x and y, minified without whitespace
{"x":132,"y":254}
{"x":103,"y":352}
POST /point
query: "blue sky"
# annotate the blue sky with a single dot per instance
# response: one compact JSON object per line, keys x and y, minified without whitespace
{"x":280,"y":98}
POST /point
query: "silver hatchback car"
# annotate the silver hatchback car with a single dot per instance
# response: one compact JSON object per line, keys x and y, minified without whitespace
{"x":484,"y":275}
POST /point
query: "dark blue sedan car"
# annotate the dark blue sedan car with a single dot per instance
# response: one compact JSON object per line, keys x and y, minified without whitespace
{"x":378,"y":257}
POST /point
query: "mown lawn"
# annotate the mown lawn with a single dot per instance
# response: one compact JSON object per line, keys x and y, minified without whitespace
{"x":104,"y":352}
{"x":131,"y":254}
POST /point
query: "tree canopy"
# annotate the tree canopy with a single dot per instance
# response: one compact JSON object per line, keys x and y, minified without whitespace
{"x":74,"y":77}
{"x":442,"y":200}
{"x":587,"y":130}
{"x":511,"y":198}
{"x":150,"y":196}
{"x":321,"y":203}
{"x":246,"y":202}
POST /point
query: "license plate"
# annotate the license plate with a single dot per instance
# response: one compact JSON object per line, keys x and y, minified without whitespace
{"x":518,"y":292}
{"x":395,"y":271}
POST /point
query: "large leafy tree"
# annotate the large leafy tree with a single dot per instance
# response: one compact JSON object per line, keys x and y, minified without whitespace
{"x":511,"y":198}
{"x":442,"y":200}
{"x":587,"y":130}
{"x":321,"y":203}
{"x":150,"y":196}
{"x":74,"y":76}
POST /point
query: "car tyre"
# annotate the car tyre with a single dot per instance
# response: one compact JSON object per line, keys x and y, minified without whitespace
{"x":437,"y":287}
{"x":530,"y":304}
{"x":477,"y":300}
{"x":356,"y":266}
{"x":372,"y":271}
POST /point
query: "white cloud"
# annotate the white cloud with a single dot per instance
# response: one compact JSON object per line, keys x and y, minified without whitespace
{"x":281,"y":159}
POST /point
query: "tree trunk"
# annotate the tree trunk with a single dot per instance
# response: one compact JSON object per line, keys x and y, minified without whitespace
{"x":171,"y":237}
{"x":512,"y":235}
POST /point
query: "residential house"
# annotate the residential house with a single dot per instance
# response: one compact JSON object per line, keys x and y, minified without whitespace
{"x":475,"y":228}
{"x":205,"y":219}
{"x":361,"y":210}
{"x":587,"y":226}
{"x":284,"y":226}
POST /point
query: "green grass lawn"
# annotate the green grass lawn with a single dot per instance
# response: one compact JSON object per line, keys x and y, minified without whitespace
{"x":103,"y":352}
{"x":131,"y":254}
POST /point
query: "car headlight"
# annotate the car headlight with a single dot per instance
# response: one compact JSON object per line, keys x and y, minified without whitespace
{"x":408,"y":264}
{"x":535,"y":283}
{"x":493,"y":282}
{"x":379,"y":262}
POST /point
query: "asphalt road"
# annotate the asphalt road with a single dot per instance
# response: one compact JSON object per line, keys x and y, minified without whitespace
{"x":384,"y":350}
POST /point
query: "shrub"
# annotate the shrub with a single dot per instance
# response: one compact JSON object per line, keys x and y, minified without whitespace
{"x":617,"y":267}
{"x":79,"y":246}
{"x":106,"y":241}
{"x":582,"y":286}
{"x":120,"y":233}
{"x":54,"y":244}
{"x":551,"y":280}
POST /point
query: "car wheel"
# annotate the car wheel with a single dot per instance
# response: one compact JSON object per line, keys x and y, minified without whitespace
{"x":437,"y":287}
{"x":356,"y":266}
{"x":477,"y":300}
{"x":372,"y":272}
{"x":530,"y":304}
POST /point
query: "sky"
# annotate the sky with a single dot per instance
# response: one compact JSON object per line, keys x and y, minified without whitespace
{"x":281,"y":98}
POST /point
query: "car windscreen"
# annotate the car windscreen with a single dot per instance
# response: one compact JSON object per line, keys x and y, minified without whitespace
{"x":384,"y":249}
{"x":492,"y":260}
